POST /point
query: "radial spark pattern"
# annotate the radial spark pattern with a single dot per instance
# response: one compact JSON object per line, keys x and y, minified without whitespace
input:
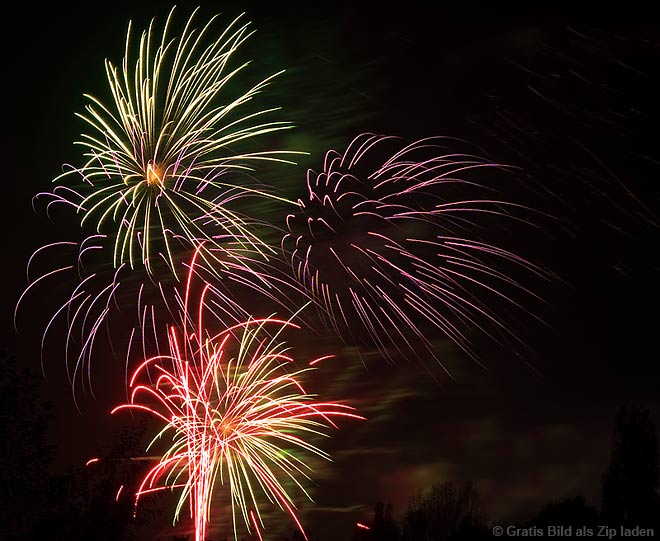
{"x":162,"y":156}
{"x":388,"y":239}
{"x":235,"y":414}
{"x":164,"y":175}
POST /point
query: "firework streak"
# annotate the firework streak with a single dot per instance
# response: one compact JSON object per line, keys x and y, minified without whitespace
{"x":234,"y":413}
{"x":163,"y":178}
{"x":101,"y":298}
{"x":387,"y":240}
{"x":160,"y":161}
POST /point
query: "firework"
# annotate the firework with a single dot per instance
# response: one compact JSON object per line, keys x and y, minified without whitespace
{"x":163,"y":176}
{"x":234,"y":412}
{"x":161,"y":155}
{"x":103,"y":300}
{"x":388,"y":240}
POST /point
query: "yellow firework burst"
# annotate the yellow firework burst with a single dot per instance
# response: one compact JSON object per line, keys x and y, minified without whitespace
{"x":162,"y":159}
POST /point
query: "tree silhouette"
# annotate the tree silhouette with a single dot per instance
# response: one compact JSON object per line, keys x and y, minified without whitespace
{"x":383,"y":526}
{"x":25,"y":454}
{"x":567,"y":512}
{"x":83,"y":500}
{"x":79,"y":504}
{"x":630,"y":484}
{"x":447,"y":512}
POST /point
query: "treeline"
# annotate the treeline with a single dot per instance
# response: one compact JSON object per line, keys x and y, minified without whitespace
{"x":629,"y":497}
{"x":81,"y":504}
{"x":448,"y":511}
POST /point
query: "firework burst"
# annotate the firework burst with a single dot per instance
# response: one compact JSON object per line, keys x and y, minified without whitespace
{"x":388,"y":240}
{"x":163,"y":177}
{"x":161,"y":155}
{"x":104,"y":301}
{"x":235,"y":413}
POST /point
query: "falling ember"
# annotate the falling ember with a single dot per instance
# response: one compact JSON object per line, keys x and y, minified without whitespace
{"x":235,"y":411}
{"x":325,"y":357}
{"x":91,"y":461}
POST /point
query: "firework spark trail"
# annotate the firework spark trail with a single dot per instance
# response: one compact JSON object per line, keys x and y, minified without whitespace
{"x":234,"y":412}
{"x":160,"y":158}
{"x":163,"y":173}
{"x":100,"y":297}
{"x":386,"y":238}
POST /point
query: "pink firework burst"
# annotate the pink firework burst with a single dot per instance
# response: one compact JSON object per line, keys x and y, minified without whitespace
{"x":96,"y":298}
{"x":235,"y":412}
{"x":390,"y":240}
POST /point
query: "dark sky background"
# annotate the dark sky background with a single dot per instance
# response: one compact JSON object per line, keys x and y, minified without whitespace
{"x":569,"y":97}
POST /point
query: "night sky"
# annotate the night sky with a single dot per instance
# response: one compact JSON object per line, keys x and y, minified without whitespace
{"x":569,"y":98}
